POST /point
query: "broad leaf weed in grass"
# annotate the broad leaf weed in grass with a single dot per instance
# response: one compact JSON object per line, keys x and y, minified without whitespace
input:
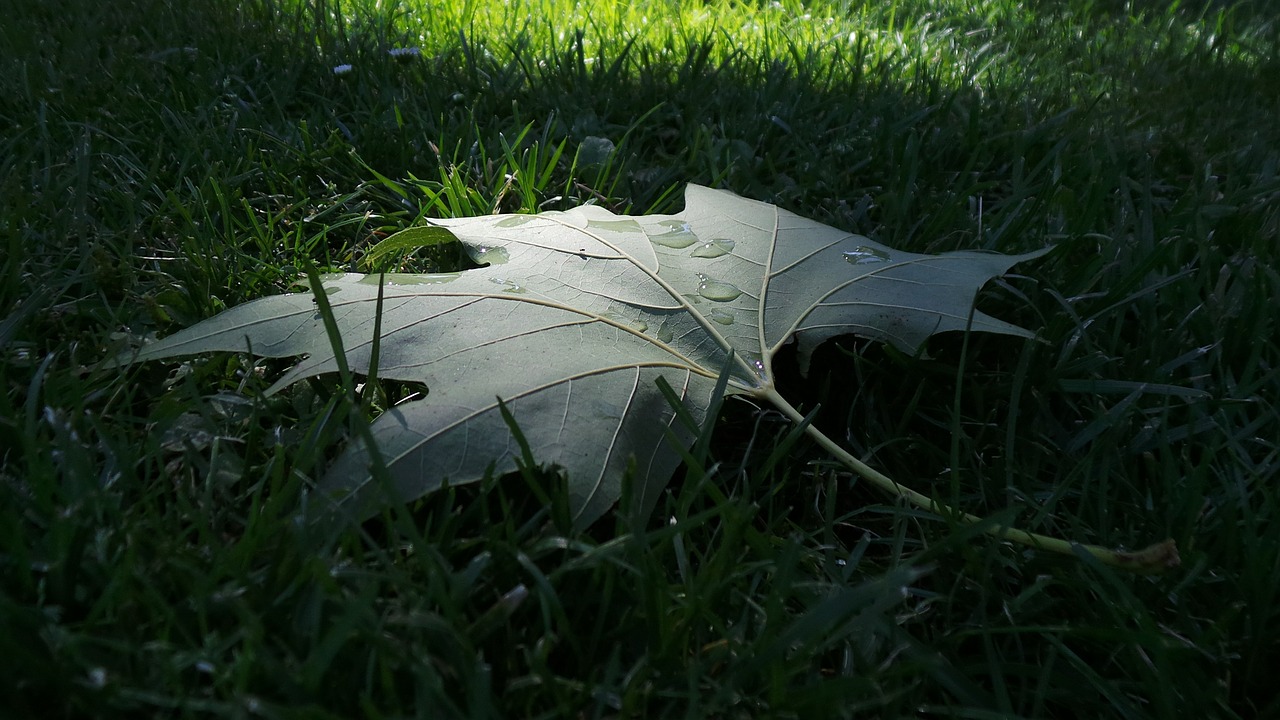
{"x":159,"y":164}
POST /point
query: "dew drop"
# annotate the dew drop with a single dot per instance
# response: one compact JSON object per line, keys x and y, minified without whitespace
{"x":514,"y":221}
{"x":637,"y":325}
{"x":864,"y":255}
{"x":713,"y":249}
{"x":715,"y":290}
{"x":665,"y":333}
{"x":508,"y":285}
{"x":678,"y":235}
{"x":614,"y":225}
{"x":411,"y":278}
{"x":435,"y":279}
{"x":724,"y":317}
{"x":491,"y":255}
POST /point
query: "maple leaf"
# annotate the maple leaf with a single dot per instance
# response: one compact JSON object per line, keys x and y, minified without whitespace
{"x":572,"y":320}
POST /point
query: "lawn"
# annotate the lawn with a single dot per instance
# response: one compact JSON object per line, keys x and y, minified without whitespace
{"x":162,"y":162}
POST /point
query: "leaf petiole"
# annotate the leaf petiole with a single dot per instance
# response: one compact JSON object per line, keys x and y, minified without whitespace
{"x":1154,"y":559}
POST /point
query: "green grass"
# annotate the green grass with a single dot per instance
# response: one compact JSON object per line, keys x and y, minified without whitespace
{"x":159,"y":164}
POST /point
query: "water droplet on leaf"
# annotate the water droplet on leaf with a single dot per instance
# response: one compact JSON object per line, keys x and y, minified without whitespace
{"x":724,"y":317}
{"x":678,"y":234}
{"x":637,"y":325}
{"x":865,"y":255}
{"x":665,"y":333}
{"x":619,"y":226}
{"x":491,"y":255}
{"x":514,"y":221}
{"x":713,"y":249}
{"x":508,"y":285}
{"x":411,"y":278}
{"x":715,"y":290}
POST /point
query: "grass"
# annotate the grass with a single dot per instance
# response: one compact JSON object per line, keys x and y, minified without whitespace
{"x":159,"y":165}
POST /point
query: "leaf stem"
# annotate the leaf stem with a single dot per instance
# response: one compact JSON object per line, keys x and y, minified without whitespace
{"x":1154,"y":559}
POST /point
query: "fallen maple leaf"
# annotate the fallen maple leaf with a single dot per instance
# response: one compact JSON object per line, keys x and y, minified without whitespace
{"x":575,"y":316}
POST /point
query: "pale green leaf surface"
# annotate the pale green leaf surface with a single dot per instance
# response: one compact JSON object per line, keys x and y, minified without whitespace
{"x":573,"y":319}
